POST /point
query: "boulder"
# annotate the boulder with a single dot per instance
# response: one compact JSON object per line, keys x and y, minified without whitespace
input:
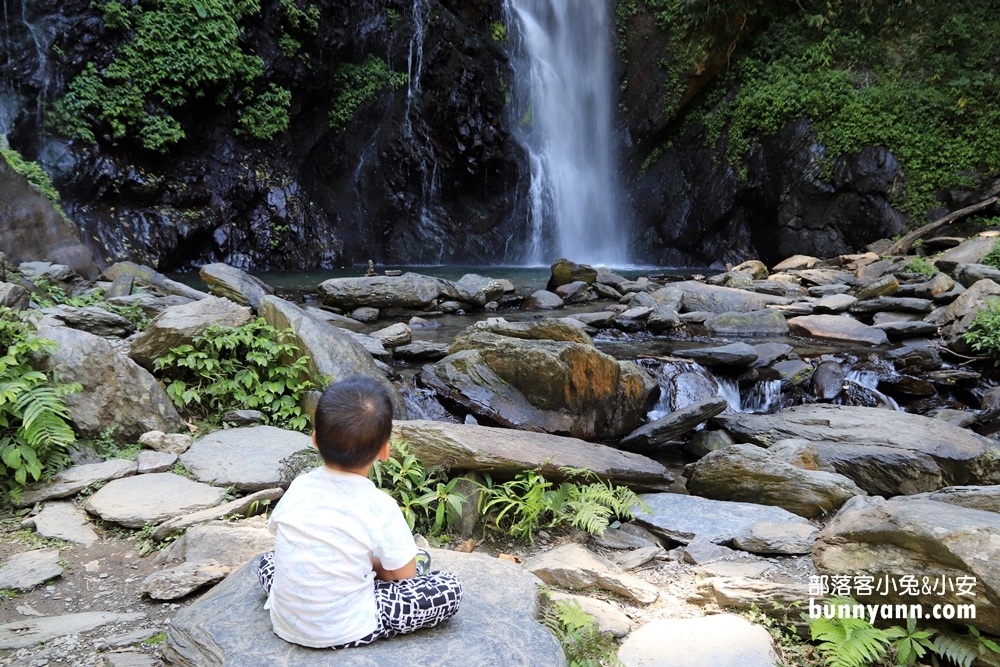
{"x":739,"y":592}
{"x":259,"y":501}
{"x":234,"y":284}
{"x":940,"y":284}
{"x":544,"y":377}
{"x":565,"y":272}
{"x":168,"y":443}
{"x":495,"y":626}
{"x":793,"y":372}
{"x":228,"y":543}
{"x":673,"y":425}
{"x":371,"y":345}
{"x":248,"y":459}
{"x":543,"y":300}
{"x":969,"y":274}
{"x":116,"y":391}
{"x":394,"y":335}
{"x":753,"y":323}
{"x":705,"y":441}
{"x":24,"y":571}
{"x":14,"y":296}
{"x":505,"y":452}
{"x":63,"y":521}
{"x":913,"y":329}
{"x":700,"y":297}
{"x":663,"y":319}
{"x":339,"y":321}
{"x":768,"y":353}
{"x":575,"y":567}
{"x":724,"y":640}
{"x":607,"y":616}
{"x":179,"y":325}
{"x":91,"y":319}
{"x":421,"y":350}
{"x":956,"y":318}
{"x":134,"y":502}
{"x":146,"y":275}
{"x":827,"y":380}
{"x":478,"y":290}
{"x":796,"y":263}
{"x":120,"y":286}
{"x":889,"y":538}
{"x":151,"y":305}
{"x":835,"y":303}
{"x":827,"y":277}
{"x":410,"y":290}
{"x":681,"y":518}
{"x":734,"y":354}
{"x":155,"y":462}
{"x":181,"y":580}
{"x":891,"y":303}
{"x":971,"y":251}
{"x":984,"y":498}
{"x":885,"y":452}
{"x":73,"y":480}
{"x":837,"y":328}
{"x":884,"y":286}
{"x":573,"y":292}
{"x":748,"y":473}
{"x":365,"y":314}
{"x":332,"y":353}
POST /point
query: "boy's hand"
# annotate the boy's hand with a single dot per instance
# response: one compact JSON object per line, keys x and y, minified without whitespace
{"x":408,"y":571}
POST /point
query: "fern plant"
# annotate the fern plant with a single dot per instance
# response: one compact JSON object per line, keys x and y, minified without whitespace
{"x":848,"y":642}
{"x":964,"y":650}
{"x":34,"y":422}
{"x":582,"y":641}
{"x":229,"y":368}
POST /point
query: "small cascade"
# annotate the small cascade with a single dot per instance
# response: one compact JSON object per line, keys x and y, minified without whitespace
{"x":423,"y":403}
{"x":861,"y":388}
{"x":683,"y":383}
{"x":563,"y":98}
{"x":762,"y":398}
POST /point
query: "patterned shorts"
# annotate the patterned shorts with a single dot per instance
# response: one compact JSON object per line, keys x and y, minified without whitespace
{"x":403,"y":606}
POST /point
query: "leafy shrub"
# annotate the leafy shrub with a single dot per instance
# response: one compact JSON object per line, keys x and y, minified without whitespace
{"x":582,"y":641}
{"x":983,"y":334}
{"x":267,"y":115}
{"x":425,"y":495}
{"x":33,"y":173}
{"x":34,"y":428}
{"x":920,"y":265}
{"x":357,"y":84}
{"x":529,"y":502}
{"x":229,"y":368}
{"x":57,"y":296}
{"x":992,"y":258}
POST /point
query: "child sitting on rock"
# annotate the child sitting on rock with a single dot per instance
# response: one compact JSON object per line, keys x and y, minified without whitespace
{"x":345,"y":570}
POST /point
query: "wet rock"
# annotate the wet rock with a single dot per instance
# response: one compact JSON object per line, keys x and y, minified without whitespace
{"x":394,"y":336}
{"x":478,"y":290}
{"x":748,"y":473}
{"x":181,"y":580}
{"x":768,"y":353}
{"x":969,"y":274}
{"x":573,"y":566}
{"x":835,"y":303}
{"x":495,"y":626}
{"x":793,"y":372}
{"x":410,"y":290}
{"x":365,"y":314}
{"x":907,"y":386}
{"x":884,"y":286}
{"x":24,"y":571}
{"x":169,"y":443}
{"x":234,"y":284}
{"x":155,"y":462}
{"x":795,"y":263}
{"x":755,"y":323}
{"x":565,"y":272}
{"x":248,"y":459}
{"x":681,"y":518}
{"x":608,"y":617}
{"x":708,"y":298}
{"x":734,"y":354}
{"x":912,"y":329}
{"x":704,"y":442}
{"x":971,"y":251}
{"x":146,"y":275}
{"x":505,"y":452}
{"x":723,"y":640}
{"x":827,"y":380}
{"x":63,"y":521}
{"x":421,"y":350}
{"x":90,"y":319}
{"x":895,"y":303}
{"x":178,"y":325}
{"x":600,"y":320}
{"x":673,"y":425}
{"x":827,"y":277}
{"x":116,"y":392}
{"x":835,"y":327}
{"x":888,"y":537}
{"x":331,"y":352}
{"x":134,"y":502}
{"x":28,"y":632}
{"x":924,"y":357}
{"x":73,"y":480}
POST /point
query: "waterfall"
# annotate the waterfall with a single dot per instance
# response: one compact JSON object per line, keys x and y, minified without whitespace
{"x":564,"y":105}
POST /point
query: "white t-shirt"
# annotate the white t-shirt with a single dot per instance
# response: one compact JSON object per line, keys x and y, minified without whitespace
{"x":328,"y":527}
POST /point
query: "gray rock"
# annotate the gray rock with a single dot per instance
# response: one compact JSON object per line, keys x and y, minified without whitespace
{"x":897,"y":330}
{"x":603,"y":319}
{"x":120,"y":286}
{"x":820,"y":291}
{"x":774,"y":537}
{"x":478,"y":290}
{"x":606,"y":291}
{"x":940,"y":284}
{"x":748,"y":473}
{"x":155,"y":462}
{"x":14,"y":296}
{"x":57,"y":272}
{"x":606,"y":276}
{"x":151,"y":305}
{"x":229,"y":543}
{"x":410,"y":290}
{"x":168,"y":443}
{"x":795,"y":263}
{"x":734,"y":354}
{"x":574,"y":292}
{"x":700,"y":297}
{"x":663,"y":319}
{"x":827,"y":380}
{"x":564,"y":272}
{"x":768,"y":353}
{"x":179,"y":325}
{"x":505,"y":452}
{"x":337,"y":320}
{"x":971,"y":251}
{"x":615,"y":538}
{"x":969,"y":274}
{"x":673,"y":425}
{"x":754,"y":323}
{"x":24,"y":571}
{"x":575,"y":567}
{"x":116,"y":391}
{"x":629,"y":560}
{"x":669,"y":297}
{"x":895,"y":303}
{"x":243,"y":417}
{"x":608,"y":617}
{"x":74,"y":480}
{"x":181,"y":580}
{"x":837,"y":328}
{"x":835,"y":303}
{"x":883,"y":286}
{"x":885,"y":538}
{"x":705,"y":441}
{"x":723,"y":640}
{"x":739,"y":592}
{"x":365,"y":314}
{"x":925,"y":357}
{"x":495,"y":626}
{"x":827,"y":277}
{"x":956,"y":318}
{"x":255,"y":502}
{"x":24,"y":633}
{"x":963,"y":418}
{"x":641,"y":285}
{"x":421,"y":350}
{"x":148,"y":276}
{"x":63,"y":521}
{"x":681,"y":518}
{"x":371,"y":345}
{"x":134,"y":502}
{"x":234,"y":284}
{"x":90,"y":319}
{"x":984,"y":498}
{"x":543,"y":300}
{"x":248,"y":459}
{"x":393,"y":336}
{"x":331,"y":352}
{"x":793,"y":372}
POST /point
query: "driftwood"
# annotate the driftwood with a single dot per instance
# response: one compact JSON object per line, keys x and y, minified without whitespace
{"x":902,"y":246}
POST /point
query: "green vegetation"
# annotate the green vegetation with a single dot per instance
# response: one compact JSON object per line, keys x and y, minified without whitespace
{"x":983,"y":335}
{"x":57,"y":296}
{"x":498,"y":31}
{"x":920,"y":265}
{"x":425,"y":495}
{"x":992,"y":258}
{"x":107,"y":447}
{"x":33,"y":173}
{"x":177,"y":51}
{"x":267,"y":115}
{"x":392,"y":18}
{"x":254,"y":366}
{"x":582,"y":642}
{"x":306,"y":19}
{"x":357,"y":84}
{"x":34,"y":431}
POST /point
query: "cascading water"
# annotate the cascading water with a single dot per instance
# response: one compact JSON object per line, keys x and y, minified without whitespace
{"x":564,"y":100}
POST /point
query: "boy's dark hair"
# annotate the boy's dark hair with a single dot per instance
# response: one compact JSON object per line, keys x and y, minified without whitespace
{"x":353,"y":420}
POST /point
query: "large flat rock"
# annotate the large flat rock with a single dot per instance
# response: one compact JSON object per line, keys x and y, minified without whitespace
{"x":699,"y":297}
{"x":506,"y":452}
{"x":149,"y":499}
{"x":724,"y":640}
{"x":249,"y":459}
{"x":495,"y":626}
{"x":64,"y":521}
{"x":681,"y":518}
{"x":28,"y":632}
{"x":74,"y":480}
{"x":410,"y":290}
{"x":24,"y":571}
{"x":837,"y":328}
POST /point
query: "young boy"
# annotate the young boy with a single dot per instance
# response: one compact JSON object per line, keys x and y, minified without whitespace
{"x":343,"y":572}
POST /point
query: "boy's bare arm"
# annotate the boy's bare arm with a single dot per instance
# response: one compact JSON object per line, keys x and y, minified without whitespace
{"x":408,"y":571}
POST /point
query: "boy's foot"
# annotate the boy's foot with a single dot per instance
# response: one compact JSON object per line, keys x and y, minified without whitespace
{"x":423,"y":562}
